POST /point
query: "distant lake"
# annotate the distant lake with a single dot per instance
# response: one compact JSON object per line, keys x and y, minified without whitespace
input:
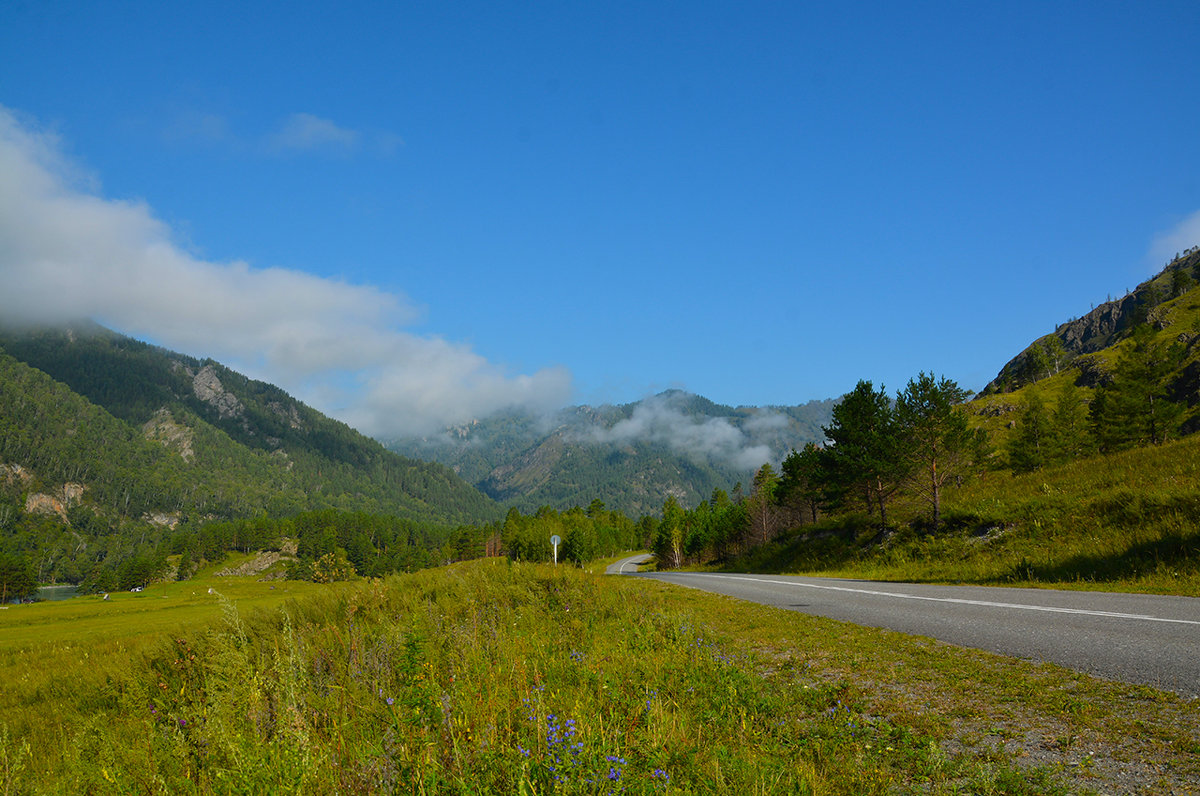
{"x":64,"y":592}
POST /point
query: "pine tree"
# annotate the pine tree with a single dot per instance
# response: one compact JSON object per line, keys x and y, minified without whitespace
{"x":1135,"y":408}
{"x":1069,"y":429}
{"x":1030,"y":447}
{"x":800,"y":482}
{"x":865,"y":453}
{"x":761,"y":504}
{"x":936,"y":436}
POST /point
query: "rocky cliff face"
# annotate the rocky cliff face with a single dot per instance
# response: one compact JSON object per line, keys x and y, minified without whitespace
{"x":208,"y":388}
{"x":1108,"y":323}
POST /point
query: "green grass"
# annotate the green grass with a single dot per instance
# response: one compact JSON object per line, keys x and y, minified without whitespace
{"x":497,"y":678}
{"x":1125,"y":522}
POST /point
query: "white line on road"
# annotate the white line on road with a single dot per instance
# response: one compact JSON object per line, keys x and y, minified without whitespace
{"x":627,"y":562}
{"x":985,"y":603}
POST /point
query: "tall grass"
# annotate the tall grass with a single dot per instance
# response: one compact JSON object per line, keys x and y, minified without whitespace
{"x":1127,"y":521}
{"x":482,"y":678}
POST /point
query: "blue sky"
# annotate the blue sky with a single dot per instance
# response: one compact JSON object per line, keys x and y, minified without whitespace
{"x":413,"y":213}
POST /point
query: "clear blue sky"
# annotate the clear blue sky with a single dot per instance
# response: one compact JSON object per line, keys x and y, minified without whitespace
{"x":567,"y":202}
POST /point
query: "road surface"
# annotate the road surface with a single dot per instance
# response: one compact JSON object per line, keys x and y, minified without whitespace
{"x":627,"y":565}
{"x":1136,"y":638}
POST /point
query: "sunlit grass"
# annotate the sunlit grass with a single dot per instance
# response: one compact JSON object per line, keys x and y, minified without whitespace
{"x":1128,"y":521}
{"x":497,"y":678}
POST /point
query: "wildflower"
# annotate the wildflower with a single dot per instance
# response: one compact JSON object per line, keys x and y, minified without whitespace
{"x":614,"y":772}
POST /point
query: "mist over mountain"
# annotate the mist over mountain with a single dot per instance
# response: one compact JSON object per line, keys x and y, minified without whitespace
{"x":631,"y":456}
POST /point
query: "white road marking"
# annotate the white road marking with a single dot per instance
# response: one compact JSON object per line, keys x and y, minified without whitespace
{"x":627,"y":562}
{"x":985,"y":603}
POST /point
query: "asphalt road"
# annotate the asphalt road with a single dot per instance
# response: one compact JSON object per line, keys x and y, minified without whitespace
{"x":627,"y":566}
{"x":1135,"y":638}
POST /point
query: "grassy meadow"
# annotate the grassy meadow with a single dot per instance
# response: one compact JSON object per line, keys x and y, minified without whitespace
{"x":490,"y":677}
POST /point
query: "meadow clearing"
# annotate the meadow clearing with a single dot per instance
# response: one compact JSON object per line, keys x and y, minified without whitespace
{"x":492,"y":677}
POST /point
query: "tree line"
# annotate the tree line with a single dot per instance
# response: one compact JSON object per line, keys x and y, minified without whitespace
{"x":876,"y":448}
{"x":1135,"y":403}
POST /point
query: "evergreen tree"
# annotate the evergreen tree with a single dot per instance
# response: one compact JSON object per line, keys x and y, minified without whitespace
{"x":801,"y":480}
{"x":937,"y":438}
{"x":16,"y":578}
{"x":1069,"y":429}
{"x":865,"y":453}
{"x":761,"y":505}
{"x":1030,"y":447}
{"x":1134,"y":408}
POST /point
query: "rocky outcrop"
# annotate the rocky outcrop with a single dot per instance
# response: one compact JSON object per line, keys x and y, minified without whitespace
{"x":289,"y":413}
{"x":260,"y":563}
{"x":41,"y":503}
{"x":15,"y":473}
{"x":208,"y":388}
{"x":1097,"y":329}
{"x":1106,"y":324}
{"x":174,"y":436}
{"x":163,"y":520}
{"x":995,"y":410}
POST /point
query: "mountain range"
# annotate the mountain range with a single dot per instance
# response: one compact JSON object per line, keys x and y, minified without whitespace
{"x":633,"y":455}
{"x":101,"y":433}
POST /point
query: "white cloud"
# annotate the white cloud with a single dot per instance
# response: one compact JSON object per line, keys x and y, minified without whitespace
{"x":191,"y":125}
{"x":659,"y":419}
{"x":303,"y":132}
{"x":1179,"y":238}
{"x":67,"y":253}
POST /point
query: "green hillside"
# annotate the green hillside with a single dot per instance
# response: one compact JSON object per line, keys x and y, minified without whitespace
{"x":1077,"y":465}
{"x":109,"y":445}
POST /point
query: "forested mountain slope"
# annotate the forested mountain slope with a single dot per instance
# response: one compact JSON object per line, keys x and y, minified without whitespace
{"x":104,"y":439}
{"x":631,"y":456}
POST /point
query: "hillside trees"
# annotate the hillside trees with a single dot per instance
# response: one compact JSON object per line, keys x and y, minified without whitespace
{"x":16,"y":577}
{"x":1070,"y":424}
{"x":800,"y":480}
{"x":668,"y":541}
{"x":1030,"y":447}
{"x":934,"y":435}
{"x":1135,"y":408}
{"x":762,"y":506}
{"x":865,"y":452}
{"x":588,"y":534}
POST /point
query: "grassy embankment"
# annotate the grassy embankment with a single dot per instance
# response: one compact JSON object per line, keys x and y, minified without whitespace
{"x":496,"y":678}
{"x":1128,"y":522}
